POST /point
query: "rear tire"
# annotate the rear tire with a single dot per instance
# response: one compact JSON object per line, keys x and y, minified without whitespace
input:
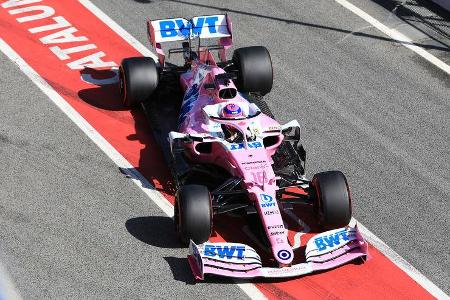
{"x":138,"y":80}
{"x":254,"y":68}
{"x":193,"y":214}
{"x":332,"y":201}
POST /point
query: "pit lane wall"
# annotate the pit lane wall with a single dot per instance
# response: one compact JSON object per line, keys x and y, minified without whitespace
{"x":445,"y":4}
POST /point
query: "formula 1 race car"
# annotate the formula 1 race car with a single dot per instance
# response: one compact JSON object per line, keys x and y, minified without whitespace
{"x":227,"y":153}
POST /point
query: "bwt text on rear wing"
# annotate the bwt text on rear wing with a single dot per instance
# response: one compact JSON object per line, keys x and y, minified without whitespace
{"x":180,"y":29}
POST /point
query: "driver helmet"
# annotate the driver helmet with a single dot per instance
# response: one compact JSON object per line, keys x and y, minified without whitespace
{"x":232,"y":111}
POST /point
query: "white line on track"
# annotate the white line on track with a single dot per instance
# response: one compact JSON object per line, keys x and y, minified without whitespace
{"x":400,"y":262}
{"x":118,"y":29}
{"x":7,"y":289}
{"x":139,"y":179}
{"x":396,"y":35}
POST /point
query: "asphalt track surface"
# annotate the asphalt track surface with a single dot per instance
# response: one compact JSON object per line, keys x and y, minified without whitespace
{"x":368,"y":106}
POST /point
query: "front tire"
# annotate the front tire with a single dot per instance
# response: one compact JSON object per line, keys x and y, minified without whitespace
{"x":139,"y":78}
{"x":332,"y":200}
{"x":193,"y":213}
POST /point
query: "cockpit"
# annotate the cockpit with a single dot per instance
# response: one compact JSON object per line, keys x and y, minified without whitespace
{"x":235,"y":119}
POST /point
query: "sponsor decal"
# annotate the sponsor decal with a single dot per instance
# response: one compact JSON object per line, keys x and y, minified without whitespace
{"x":188,"y":102}
{"x":255,"y":129}
{"x":254,"y":165}
{"x":277,"y":233}
{"x":284,"y":254}
{"x":248,"y":168}
{"x":213,"y":126}
{"x":275,"y":227}
{"x":191,"y":95}
{"x":273,"y":128}
{"x":182,"y":27}
{"x":63,"y":39}
{"x":324,"y":242}
{"x":267,"y":201}
{"x":271,"y":212}
{"x":215,"y":130}
{"x":251,"y":145}
{"x":300,"y":268}
{"x":260,"y":177}
{"x":253,"y":162}
{"x":227,"y":252}
{"x":279,"y":241}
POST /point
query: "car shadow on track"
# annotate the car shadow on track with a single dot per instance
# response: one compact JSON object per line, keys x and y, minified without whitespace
{"x":107,"y":97}
{"x":151,"y":158}
{"x":101,"y":95}
{"x":181,"y":270}
{"x":144,"y":228}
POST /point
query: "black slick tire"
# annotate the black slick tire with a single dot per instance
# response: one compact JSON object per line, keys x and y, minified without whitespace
{"x":138,"y":80}
{"x":193,"y":213}
{"x":332,"y":200}
{"x":254,"y":70}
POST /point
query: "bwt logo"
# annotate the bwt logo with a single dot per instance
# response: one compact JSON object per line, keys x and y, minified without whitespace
{"x":332,"y":240}
{"x":224,"y":251}
{"x":175,"y":27}
{"x":252,"y":145}
{"x":267,"y":201}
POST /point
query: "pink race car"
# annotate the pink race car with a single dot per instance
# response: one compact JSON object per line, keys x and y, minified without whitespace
{"x":228,"y":154}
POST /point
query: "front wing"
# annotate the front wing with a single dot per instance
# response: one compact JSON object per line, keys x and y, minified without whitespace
{"x":324,"y":251}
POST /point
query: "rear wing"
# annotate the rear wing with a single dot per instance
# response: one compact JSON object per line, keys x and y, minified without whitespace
{"x":180,"y":29}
